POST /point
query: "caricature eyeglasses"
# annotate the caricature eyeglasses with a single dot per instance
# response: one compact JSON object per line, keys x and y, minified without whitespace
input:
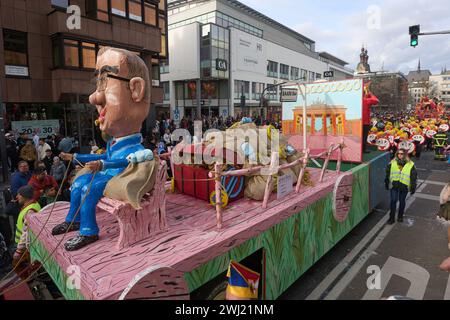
{"x":101,"y":77}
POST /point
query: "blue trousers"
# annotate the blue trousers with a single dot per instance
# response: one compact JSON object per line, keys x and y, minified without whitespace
{"x":398,"y":195}
{"x":86,"y":215}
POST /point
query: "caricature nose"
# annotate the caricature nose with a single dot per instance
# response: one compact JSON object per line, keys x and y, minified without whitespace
{"x":97,"y":98}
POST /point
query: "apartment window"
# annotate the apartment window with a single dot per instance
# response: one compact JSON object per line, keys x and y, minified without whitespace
{"x":88,"y":55}
{"x":163,"y":52}
{"x":60,"y":3}
{"x":295,"y":73}
{"x":162,"y":5}
{"x":150,"y":13}
{"x":135,"y":10}
{"x":257,"y":90}
{"x":272,"y":69}
{"x":284,"y":71}
{"x":71,"y":53}
{"x":241,"y":88}
{"x":318,"y":76}
{"x":97,"y":9}
{"x":118,"y":7}
{"x":16,"y":53}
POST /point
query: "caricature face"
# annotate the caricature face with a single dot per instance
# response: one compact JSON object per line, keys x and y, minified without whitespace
{"x":431,"y":133}
{"x":383,"y":144}
{"x":112,"y":96}
{"x":372,"y":139}
{"x":407,"y":145}
{"x":444,"y":127}
{"x":419,"y":138}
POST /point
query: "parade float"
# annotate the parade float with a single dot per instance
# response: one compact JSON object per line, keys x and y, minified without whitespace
{"x":277,"y":214}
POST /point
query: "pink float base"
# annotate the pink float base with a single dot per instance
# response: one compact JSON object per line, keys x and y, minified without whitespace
{"x":191,"y":239}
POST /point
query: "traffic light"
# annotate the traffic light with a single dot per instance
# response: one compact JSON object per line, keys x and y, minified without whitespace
{"x":414,"y":32}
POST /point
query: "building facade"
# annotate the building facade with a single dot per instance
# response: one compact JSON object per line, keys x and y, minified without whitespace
{"x":47,"y":63}
{"x":418,"y":85}
{"x":441,"y":84}
{"x":224,"y":56}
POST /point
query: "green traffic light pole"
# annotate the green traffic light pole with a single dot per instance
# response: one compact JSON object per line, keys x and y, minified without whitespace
{"x":415,"y":41}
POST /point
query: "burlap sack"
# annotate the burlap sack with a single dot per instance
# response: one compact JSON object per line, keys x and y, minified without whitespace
{"x":293,"y":158}
{"x":255,"y":187}
{"x":133,"y":183}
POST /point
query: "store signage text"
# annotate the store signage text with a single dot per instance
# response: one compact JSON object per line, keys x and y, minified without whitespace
{"x":221,"y":65}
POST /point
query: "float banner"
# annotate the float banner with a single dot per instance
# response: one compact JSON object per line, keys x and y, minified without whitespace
{"x":333,"y":112}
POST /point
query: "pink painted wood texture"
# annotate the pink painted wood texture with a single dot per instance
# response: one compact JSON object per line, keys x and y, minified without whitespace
{"x":136,"y":225}
{"x":192,"y":240}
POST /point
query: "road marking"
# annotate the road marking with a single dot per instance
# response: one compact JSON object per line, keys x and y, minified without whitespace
{"x":436,"y":183}
{"x":340,"y":286}
{"x":415,"y":274}
{"x":427,"y":197}
{"x":328,"y":281}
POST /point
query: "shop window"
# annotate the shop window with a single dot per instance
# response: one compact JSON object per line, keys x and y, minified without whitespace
{"x":16,"y":53}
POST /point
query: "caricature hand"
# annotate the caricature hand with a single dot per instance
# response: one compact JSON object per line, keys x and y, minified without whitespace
{"x":141,"y":156}
{"x":94,"y":166}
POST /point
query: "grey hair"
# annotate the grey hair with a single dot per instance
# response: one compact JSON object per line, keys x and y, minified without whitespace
{"x":136,"y":67}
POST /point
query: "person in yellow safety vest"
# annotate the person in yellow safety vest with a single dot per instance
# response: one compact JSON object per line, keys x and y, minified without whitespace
{"x":28,"y":206}
{"x":401,"y":178}
{"x":440,"y":143}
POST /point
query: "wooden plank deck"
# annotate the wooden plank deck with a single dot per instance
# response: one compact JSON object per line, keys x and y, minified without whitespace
{"x":192,"y":239}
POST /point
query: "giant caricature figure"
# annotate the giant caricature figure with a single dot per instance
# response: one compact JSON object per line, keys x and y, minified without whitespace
{"x":122,"y":98}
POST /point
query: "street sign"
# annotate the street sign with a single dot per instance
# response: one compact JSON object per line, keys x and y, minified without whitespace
{"x":328,"y":74}
{"x":288,"y":95}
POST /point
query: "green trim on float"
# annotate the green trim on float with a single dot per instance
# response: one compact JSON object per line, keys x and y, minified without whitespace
{"x":39,"y":253}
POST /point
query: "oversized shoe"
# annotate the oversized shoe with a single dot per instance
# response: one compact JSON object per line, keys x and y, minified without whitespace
{"x":65,"y":227}
{"x":79,"y":242}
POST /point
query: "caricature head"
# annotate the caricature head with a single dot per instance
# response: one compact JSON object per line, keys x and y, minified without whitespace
{"x":122,"y":95}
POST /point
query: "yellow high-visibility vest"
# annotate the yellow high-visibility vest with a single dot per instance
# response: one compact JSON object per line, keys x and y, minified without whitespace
{"x":20,"y":220}
{"x":404,"y":175}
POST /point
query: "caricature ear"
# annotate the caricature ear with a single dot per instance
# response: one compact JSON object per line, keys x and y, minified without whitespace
{"x":137,"y":87}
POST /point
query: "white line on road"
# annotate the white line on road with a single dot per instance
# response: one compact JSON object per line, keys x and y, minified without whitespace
{"x":436,"y":183}
{"x":340,"y":268}
{"x":427,"y":197}
{"x":325,"y":284}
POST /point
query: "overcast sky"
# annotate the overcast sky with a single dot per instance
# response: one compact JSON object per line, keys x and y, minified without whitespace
{"x":341,"y":27}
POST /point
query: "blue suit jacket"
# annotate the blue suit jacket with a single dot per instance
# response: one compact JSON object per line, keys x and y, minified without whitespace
{"x":115,"y":159}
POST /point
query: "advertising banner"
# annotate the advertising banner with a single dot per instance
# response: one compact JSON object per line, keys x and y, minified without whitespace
{"x":43,"y":128}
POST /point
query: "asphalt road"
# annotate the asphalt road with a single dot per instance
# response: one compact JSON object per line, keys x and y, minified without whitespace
{"x":402,"y":259}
